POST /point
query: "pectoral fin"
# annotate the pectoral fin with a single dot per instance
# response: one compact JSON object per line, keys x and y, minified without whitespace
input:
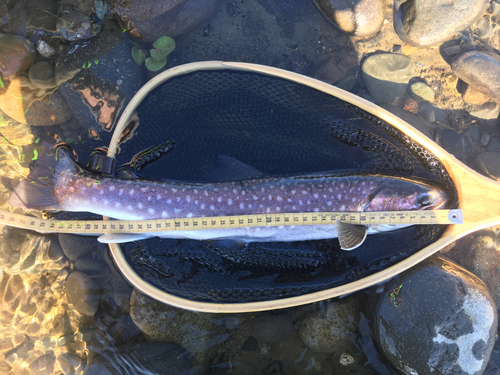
{"x":122,"y":237}
{"x":350,"y":236}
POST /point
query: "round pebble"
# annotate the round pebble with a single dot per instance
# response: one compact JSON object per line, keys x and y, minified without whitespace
{"x":83,"y":293}
{"x":361,"y":18}
{"x":436,"y":318}
{"x":422,"y":92}
{"x":331,"y":330}
{"x":16,"y":55}
{"x":489,"y":163}
{"x":480,"y":70}
{"x":386,"y":76}
{"x":271,"y":328}
{"x":456,"y":144}
{"x":41,"y":74}
{"x":427,"y":23}
{"x":78,"y":246}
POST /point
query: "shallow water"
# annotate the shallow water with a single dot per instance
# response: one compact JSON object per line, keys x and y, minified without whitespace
{"x":52,"y":324}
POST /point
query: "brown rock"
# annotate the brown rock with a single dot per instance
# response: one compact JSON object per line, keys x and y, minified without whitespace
{"x":336,"y":68}
{"x":16,"y":55}
{"x":474,"y":96}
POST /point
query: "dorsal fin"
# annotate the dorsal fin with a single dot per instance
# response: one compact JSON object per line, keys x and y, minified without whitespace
{"x":350,"y":236}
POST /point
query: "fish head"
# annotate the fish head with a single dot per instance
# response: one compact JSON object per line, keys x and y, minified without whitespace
{"x":401,"y":194}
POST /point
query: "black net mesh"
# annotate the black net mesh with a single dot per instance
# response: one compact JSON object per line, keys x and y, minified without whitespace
{"x":279,"y":127}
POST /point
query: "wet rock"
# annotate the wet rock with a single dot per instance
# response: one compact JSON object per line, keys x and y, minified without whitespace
{"x":419,"y":123}
{"x":70,"y":363}
{"x":456,"y":144}
{"x":432,"y":113}
{"x":436,"y":317}
{"x":361,"y":18}
{"x":367,"y":43}
{"x":150,"y":357}
{"x":483,"y":28}
{"x":485,"y":139}
{"x":41,"y":74}
{"x":272,"y":328}
{"x":160,"y":322}
{"x":89,"y":264}
{"x":473,"y":133}
{"x":472,"y":95}
{"x":480,"y":70}
{"x":16,"y":55}
{"x":422,"y":92}
{"x":171,"y":18}
{"x":411,"y":106}
{"x":51,"y":111}
{"x":44,"y":365}
{"x":336,"y":68}
{"x":83,"y":293}
{"x":386,"y":76}
{"x":494,"y":145}
{"x":487,"y":111}
{"x":45,"y":49}
{"x":427,"y":23}
{"x":79,"y":246}
{"x":489,"y":163}
{"x":74,"y":25}
{"x":332,"y":329}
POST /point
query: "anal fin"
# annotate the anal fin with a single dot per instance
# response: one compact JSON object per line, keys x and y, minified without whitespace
{"x":350,"y":236}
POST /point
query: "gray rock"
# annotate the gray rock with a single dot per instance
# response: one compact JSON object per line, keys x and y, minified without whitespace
{"x":421,"y":91}
{"x":473,"y":133}
{"x":456,"y":144}
{"x":483,"y":28}
{"x":417,"y":122}
{"x":44,"y":49}
{"x":272,"y":328}
{"x":78,"y":246}
{"x":494,"y":145}
{"x":171,"y":18}
{"x":427,"y":23}
{"x":89,"y":264}
{"x":141,"y":358}
{"x":332,"y":329}
{"x":74,"y":25}
{"x":386,"y":76}
{"x":83,"y":293}
{"x":489,"y":163}
{"x":41,"y":74}
{"x":191,"y":330}
{"x":488,"y":111}
{"x":436,"y":318}
{"x":361,"y":18}
{"x":432,"y":113}
{"x":44,"y":365}
{"x":481,"y":70}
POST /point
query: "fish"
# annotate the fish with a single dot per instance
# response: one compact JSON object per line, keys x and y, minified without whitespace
{"x":58,"y":183}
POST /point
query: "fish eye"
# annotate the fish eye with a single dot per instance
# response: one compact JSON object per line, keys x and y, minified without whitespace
{"x":424,"y":199}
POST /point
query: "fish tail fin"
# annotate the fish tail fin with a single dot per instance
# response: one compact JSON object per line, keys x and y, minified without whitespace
{"x":37,"y":191}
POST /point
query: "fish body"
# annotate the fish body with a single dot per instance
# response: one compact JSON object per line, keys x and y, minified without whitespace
{"x":68,"y":187}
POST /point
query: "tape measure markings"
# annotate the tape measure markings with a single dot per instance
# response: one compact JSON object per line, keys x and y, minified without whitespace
{"x":228,"y":222}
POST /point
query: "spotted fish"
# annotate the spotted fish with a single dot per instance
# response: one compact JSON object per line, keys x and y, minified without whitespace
{"x":61,"y":184}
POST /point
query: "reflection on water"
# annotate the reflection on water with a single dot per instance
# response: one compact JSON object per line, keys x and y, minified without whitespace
{"x":64,"y":306}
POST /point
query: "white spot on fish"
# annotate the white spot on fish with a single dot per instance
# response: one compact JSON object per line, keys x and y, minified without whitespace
{"x":118,"y":204}
{"x":341,"y":185}
{"x":316,"y":210}
{"x":164,"y":214}
{"x":151,"y":211}
{"x":304,"y":192}
{"x":195,"y":191}
{"x":342,"y":208}
{"x":139,"y":205}
{"x":308,"y":202}
{"x":131,"y":192}
{"x":149,"y":198}
{"x":279,"y":198}
{"x":101,"y":192}
{"x":206,"y":193}
{"x":282,"y":187}
{"x":268,"y":209}
{"x":178,"y":199}
{"x":105,"y":202}
{"x":278,"y":209}
{"x":212,"y":207}
{"x":169,"y":201}
{"x":120,"y":192}
{"x":242,"y":193}
{"x":330,"y":190}
{"x":324,"y":195}
{"x":262,"y":189}
{"x":229,"y":202}
{"x":177,"y":210}
{"x":255,"y":197}
{"x":144,"y":189}
{"x":289,"y":200}
{"x":188,"y":199}
{"x":202,"y":206}
{"x":235,"y":191}
{"x":300,"y":202}
{"x":270,"y":197}
{"x":294,"y":208}
{"x":363,"y":183}
{"x":329,"y":203}
{"x":130,"y":208}
{"x":196,"y":202}
{"x":293,"y":192}
{"x":158,"y":196}
{"x":219,"y":199}
{"x":242,"y":206}
{"x":174,"y":190}
{"x":339,"y":197}
{"x":249,"y":206}
{"x":354,"y":199}
{"x":111,"y":188}
{"x":316,"y":195}
{"x":189,"y":214}
{"x":94,"y":199}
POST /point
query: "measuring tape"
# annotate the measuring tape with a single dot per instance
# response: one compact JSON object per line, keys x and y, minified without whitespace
{"x":227,"y":222}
